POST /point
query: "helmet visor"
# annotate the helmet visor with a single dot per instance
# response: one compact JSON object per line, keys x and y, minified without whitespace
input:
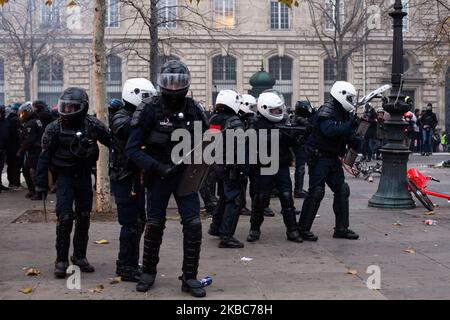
{"x":174,"y":81}
{"x":351,"y":99}
{"x":276,"y":111}
{"x":68,"y":107}
{"x":251,"y":106}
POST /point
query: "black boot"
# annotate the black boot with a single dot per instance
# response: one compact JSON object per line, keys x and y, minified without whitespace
{"x":288,"y":211}
{"x":230,"y":242}
{"x":192,"y":240}
{"x":63,"y":230}
{"x":308,"y":236}
{"x":341,"y":211}
{"x":80,"y":242}
{"x":345,"y":234}
{"x":127,"y":265}
{"x":309,"y":210}
{"x":152,"y":242}
{"x":260,"y":202}
{"x":268,"y":212}
{"x":245,"y":212}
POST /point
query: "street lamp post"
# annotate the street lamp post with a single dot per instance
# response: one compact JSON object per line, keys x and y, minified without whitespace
{"x":392,"y":191}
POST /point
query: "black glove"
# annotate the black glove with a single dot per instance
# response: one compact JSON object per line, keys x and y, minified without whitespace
{"x":164,"y":170}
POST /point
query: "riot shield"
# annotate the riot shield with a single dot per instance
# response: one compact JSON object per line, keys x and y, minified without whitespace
{"x":193,"y":175}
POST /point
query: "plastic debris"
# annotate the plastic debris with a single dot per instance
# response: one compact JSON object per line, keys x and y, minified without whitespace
{"x":246,"y":259}
{"x":430,"y":222}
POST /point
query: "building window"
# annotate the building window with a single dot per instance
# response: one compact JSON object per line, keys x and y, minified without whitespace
{"x":405,"y":4}
{"x":113,"y":77}
{"x":223,"y":14}
{"x":50,"y":15}
{"x":330,"y":77}
{"x":279,"y":15}
{"x":330,"y":14}
{"x":223,"y":74}
{"x":281,"y":69}
{"x":112,"y":13}
{"x":167,"y":12}
{"x":2,"y":81}
{"x":50,"y":79}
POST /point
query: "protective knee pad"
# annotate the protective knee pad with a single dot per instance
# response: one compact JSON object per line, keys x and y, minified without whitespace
{"x":344,"y":190}
{"x":193,"y":226}
{"x":317,"y":194}
{"x":286,"y":200}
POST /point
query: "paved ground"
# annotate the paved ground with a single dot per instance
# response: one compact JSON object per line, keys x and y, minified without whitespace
{"x":279,"y":269}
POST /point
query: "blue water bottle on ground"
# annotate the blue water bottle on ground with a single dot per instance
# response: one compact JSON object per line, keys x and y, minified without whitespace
{"x":206,"y":281}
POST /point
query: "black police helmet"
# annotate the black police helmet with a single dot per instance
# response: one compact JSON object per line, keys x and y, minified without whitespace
{"x":303,"y":109}
{"x":26,"y":111}
{"x":73,"y":103}
{"x":40,"y":105}
{"x":174,"y":78}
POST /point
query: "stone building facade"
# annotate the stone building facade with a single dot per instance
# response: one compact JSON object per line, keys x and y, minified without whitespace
{"x":242,"y":36}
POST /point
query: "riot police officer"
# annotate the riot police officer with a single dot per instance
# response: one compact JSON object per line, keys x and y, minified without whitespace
{"x":270,"y":113}
{"x":30,"y":146}
{"x":230,"y":176}
{"x":125,"y":177}
{"x":333,"y":128}
{"x":303,"y":113}
{"x":247,"y":113}
{"x":69,"y":147}
{"x":152,"y":127}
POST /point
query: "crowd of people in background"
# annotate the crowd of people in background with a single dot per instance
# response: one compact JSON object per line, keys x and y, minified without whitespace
{"x":422,"y":134}
{"x":21,"y":129}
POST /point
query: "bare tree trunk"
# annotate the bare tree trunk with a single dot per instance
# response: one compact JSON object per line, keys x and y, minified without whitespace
{"x":153,"y":41}
{"x":99,"y":52}
{"x":27,"y":84}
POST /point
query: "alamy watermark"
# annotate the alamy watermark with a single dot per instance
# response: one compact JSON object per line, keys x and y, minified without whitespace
{"x":241,"y":147}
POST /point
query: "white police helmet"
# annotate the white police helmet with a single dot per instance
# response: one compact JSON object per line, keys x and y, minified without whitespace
{"x":249,"y":104}
{"x":271,"y":106}
{"x":229,"y":98}
{"x":136,"y":89}
{"x":344,"y":92}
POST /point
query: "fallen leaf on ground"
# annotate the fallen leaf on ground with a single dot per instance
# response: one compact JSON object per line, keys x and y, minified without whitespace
{"x":397,"y":223}
{"x":33,"y":272}
{"x":115,"y":280}
{"x":103,"y":241}
{"x":26,"y":290}
{"x":352,"y":272}
{"x":429,"y":213}
{"x":98,"y":289}
{"x":409,"y":250}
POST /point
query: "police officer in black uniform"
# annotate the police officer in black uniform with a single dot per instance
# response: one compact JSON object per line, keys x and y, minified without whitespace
{"x":333,"y":129}
{"x":152,"y":127}
{"x":230,"y":176}
{"x":247,"y":113}
{"x":30,"y":147}
{"x":270,"y":113}
{"x":125,"y":177}
{"x":43,"y":112}
{"x":303,"y":113}
{"x":69,"y":147}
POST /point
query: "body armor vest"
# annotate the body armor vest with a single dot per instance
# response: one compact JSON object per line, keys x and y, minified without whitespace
{"x":330,"y":145}
{"x":158,"y":143}
{"x":76,"y":148}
